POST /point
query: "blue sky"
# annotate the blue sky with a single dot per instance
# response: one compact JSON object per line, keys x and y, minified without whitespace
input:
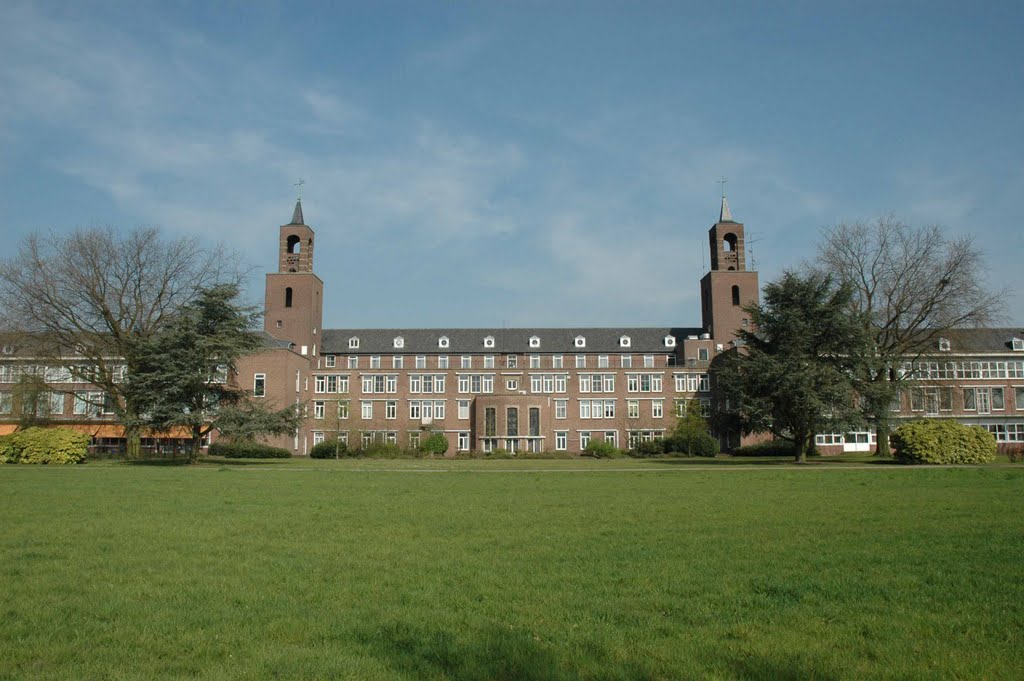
{"x":522,"y":163}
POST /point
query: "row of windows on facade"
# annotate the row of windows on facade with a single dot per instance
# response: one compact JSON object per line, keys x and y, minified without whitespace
{"x":435,"y":409}
{"x":78,"y":374}
{"x":512,"y":361}
{"x":444,"y":342}
{"x":47,"y":403}
{"x":512,"y":444}
{"x":1003,"y":432}
{"x":484,"y":383}
{"x":931,"y":401}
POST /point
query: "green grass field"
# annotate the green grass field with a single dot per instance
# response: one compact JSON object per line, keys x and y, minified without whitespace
{"x":511,"y":570}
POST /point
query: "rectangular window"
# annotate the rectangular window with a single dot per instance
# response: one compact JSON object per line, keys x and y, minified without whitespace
{"x":585,"y":409}
{"x":56,"y":403}
{"x":353,"y":363}
{"x":375,"y":362}
{"x":391,"y":409}
{"x":657,"y":408}
{"x":945,"y":399}
{"x":442,"y":362}
{"x":490,"y":422}
{"x":648,"y":361}
{"x":466,"y":362}
{"x":319,"y":384}
{"x":463,"y":442}
{"x":536,"y":383}
{"x":702,"y":354}
{"x":414,"y":439}
{"x":581,"y":361}
{"x":535,"y":361}
{"x":602,"y":361}
{"x":560,"y":383}
{"x":421,"y":362}
{"x":969,"y":403}
{"x":415,"y":412}
{"x":318,"y":437}
{"x":342,"y":409}
{"x":561,"y":408}
{"x":626,"y":361}
{"x":997,"y":399}
{"x":259,"y":385}
{"x":463,"y":409}
{"x":7,"y":403}
{"x":557,"y":362}
{"x":510,"y":361}
{"x":329,"y":361}
{"x":561,"y":440}
{"x":512,"y":384}
{"x":367,"y":409}
{"x":917,"y":399}
{"x":633,"y":409}
{"x":584,"y":439}
{"x":1019,"y":397}
{"x":534,"y":422}
{"x":318,"y":410}
{"x":439,"y":409}
{"x":397,"y":362}
{"x":512,"y":421}
{"x":488,"y":361}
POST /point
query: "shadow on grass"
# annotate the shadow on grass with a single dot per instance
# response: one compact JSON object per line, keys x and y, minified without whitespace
{"x":791,"y":669}
{"x":219,"y":461}
{"x":769,"y":461}
{"x":494,"y":653}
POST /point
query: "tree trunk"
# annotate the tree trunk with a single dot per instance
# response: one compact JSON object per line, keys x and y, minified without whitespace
{"x":882,"y":434}
{"x":800,"y":448}
{"x":133,"y":439}
{"x":195,"y":445}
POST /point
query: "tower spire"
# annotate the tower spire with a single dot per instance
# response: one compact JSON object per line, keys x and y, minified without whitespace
{"x":297,"y":213}
{"x":725,"y":215}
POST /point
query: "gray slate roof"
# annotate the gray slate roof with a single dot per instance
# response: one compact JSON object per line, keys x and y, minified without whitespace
{"x":981,"y":340}
{"x":471,"y":341}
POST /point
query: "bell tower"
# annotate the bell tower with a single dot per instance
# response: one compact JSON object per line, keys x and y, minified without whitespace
{"x":728,"y":287}
{"x":293,"y":307}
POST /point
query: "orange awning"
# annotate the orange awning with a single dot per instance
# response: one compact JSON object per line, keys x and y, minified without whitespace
{"x":8,"y":428}
{"x":108,"y":430}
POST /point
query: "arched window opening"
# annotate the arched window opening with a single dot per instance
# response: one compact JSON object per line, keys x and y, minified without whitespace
{"x":735,"y":295}
{"x":288,"y":297}
{"x":729,"y":242}
{"x":294,"y":244}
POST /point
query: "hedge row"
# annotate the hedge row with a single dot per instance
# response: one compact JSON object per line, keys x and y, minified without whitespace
{"x":940,"y":441}
{"x":247,"y":450}
{"x":44,"y":445}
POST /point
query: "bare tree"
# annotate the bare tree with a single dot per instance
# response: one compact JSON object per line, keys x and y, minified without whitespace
{"x":911,"y":284}
{"x":85,"y":300}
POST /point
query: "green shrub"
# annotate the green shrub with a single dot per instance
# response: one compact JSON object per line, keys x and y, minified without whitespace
{"x":435,"y":445}
{"x":655,"y":447}
{"x":500,"y":453}
{"x":386,"y":450}
{"x":693,"y":443}
{"x":771,"y":448}
{"x":935,"y":441}
{"x":599,"y":449}
{"x":329,"y":449}
{"x":44,"y":445}
{"x":247,"y":450}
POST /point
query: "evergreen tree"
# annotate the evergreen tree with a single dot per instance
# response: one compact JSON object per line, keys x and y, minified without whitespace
{"x":792,"y":376}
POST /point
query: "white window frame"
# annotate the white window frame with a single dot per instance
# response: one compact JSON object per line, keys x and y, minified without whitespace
{"x":353,"y":343}
{"x":256,"y":379}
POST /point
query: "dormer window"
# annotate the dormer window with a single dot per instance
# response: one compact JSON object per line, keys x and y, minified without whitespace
{"x":670,"y":341}
{"x":489,"y":342}
{"x":580,"y":342}
{"x":534,"y":341}
{"x":1017,"y":344}
{"x":625,"y":341}
{"x":399,"y":342}
{"x":944,"y":345}
{"x":8,"y":349}
{"x":442,"y":342}
{"x":353,"y":343}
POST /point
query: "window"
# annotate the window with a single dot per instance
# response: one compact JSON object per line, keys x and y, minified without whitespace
{"x":391,"y":409}
{"x":490,"y":422}
{"x":442,"y":362}
{"x":556,"y":362}
{"x":997,"y":399}
{"x":534,"y":342}
{"x":633,"y":409}
{"x":466,"y":362}
{"x":7,"y":402}
{"x":399,"y":342}
{"x":488,"y":361}
{"x":353,"y":362}
{"x":736,"y":296}
{"x":397,"y":362}
{"x":512,"y":384}
{"x":561,"y":408}
{"x":657,"y":408}
{"x":421,"y":362}
{"x":329,"y":361}
{"x":375,"y":362}
{"x":56,"y":403}
{"x":318,"y":437}
{"x":535,"y":361}
{"x":1017,"y":344}
{"x":561,"y":440}
{"x":670,"y":341}
{"x":512,"y":421}
{"x":602,"y":361}
{"x":581,"y":361}
{"x":318,"y":410}
{"x":367,"y":409}
{"x":489,"y":342}
{"x":648,"y":361}
{"x":259,"y":385}
{"x":463,"y":409}
{"x":626,"y":361}
{"x":414,"y":439}
{"x":624,"y":341}
{"x":580,"y":342}
{"x":584,"y":439}
{"x":510,"y":362}
{"x":353,"y":343}
{"x":463,"y":442}
{"x":1019,"y":398}
{"x":702,"y":354}
{"x":288,"y":297}
{"x":442,"y":342}
{"x":343,"y":409}
{"x":944,"y":345}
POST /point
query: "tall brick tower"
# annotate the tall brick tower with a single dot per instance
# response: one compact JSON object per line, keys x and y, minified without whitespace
{"x":728,"y":286}
{"x":293,"y":307}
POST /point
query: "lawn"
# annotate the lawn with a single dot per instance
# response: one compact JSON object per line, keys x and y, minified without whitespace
{"x":510,"y":570}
